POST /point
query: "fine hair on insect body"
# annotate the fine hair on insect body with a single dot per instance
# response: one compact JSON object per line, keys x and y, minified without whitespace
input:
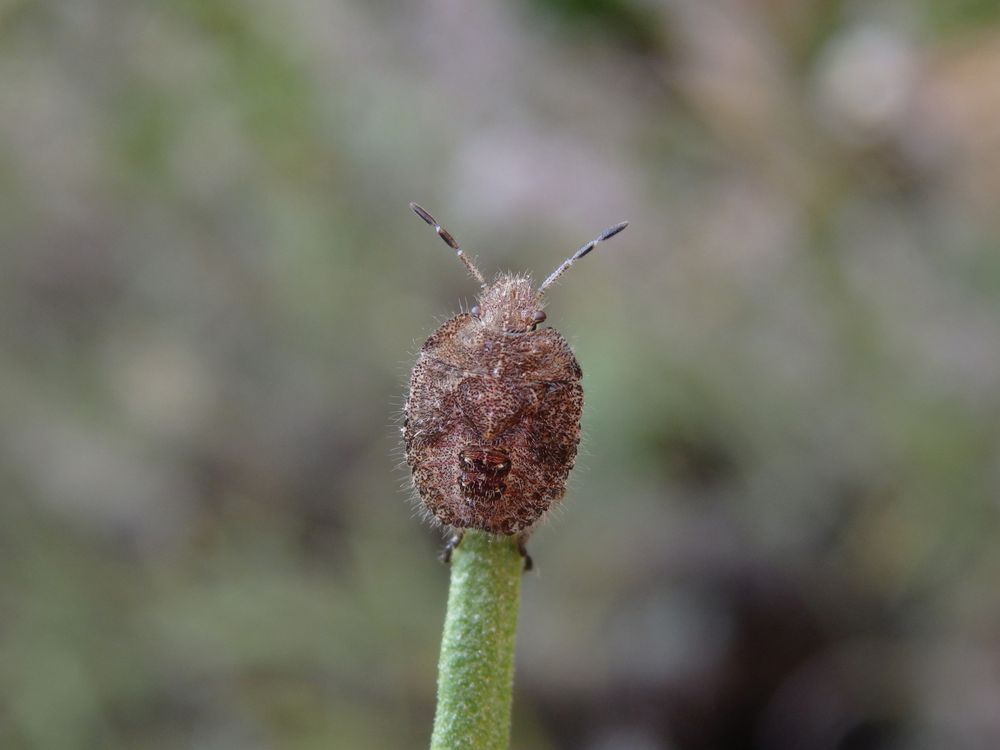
{"x":492,"y":420}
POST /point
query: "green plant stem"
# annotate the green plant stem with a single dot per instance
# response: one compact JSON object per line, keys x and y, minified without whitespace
{"x":476,"y":670}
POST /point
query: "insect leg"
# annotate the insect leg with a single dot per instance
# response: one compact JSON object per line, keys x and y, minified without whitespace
{"x":450,"y":545}
{"x":522,"y":540}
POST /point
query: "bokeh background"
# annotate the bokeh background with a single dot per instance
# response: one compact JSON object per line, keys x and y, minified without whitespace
{"x":782,"y":531}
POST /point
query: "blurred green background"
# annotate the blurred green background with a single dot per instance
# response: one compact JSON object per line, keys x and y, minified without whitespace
{"x":782,"y":530}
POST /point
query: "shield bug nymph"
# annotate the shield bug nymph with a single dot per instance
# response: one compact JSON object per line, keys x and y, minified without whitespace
{"x":492,"y":421}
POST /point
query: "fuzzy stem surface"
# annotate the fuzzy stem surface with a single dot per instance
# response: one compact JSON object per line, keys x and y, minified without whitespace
{"x":476,"y":668}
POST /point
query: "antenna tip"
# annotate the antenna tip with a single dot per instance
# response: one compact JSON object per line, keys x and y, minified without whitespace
{"x":612,"y":231}
{"x":422,"y":214}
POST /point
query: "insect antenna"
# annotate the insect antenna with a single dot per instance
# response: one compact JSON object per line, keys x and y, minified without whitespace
{"x":450,"y":241}
{"x":605,"y":235}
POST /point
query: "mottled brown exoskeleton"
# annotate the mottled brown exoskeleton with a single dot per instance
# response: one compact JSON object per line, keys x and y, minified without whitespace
{"x":492,"y":421}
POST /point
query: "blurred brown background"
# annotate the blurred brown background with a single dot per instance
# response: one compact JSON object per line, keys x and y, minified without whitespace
{"x":782,"y":530}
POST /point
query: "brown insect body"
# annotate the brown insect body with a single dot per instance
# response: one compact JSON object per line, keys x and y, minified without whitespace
{"x":492,"y":421}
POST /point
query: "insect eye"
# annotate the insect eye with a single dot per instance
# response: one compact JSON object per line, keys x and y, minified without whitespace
{"x":538,"y":317}
{"x":475,"y":312}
